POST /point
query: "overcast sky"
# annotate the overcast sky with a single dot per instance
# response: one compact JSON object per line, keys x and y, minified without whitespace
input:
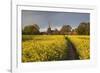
{"x":56,"y":19}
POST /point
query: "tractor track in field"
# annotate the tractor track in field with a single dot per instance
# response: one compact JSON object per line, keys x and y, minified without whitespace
{"x":71,"y":53}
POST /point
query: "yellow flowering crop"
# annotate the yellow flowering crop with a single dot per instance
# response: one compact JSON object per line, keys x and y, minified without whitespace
{"x":43,"y":48}
{"x":82,"y":45}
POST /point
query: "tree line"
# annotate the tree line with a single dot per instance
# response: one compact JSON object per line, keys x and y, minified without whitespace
{"x":82,"y":29}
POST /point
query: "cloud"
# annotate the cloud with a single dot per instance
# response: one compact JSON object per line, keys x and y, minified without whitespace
{"x":52,"y":28}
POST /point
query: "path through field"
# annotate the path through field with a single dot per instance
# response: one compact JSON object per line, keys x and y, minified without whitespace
{"x":72,"y":54}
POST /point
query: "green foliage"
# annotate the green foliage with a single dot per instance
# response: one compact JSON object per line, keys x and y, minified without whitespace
{"x":84,"y":28}
{"x":65,"y":29}
{"x":31,"y":29}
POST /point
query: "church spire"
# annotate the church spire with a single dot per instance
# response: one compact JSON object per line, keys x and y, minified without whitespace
{"x":49,"y":24}
{"x":49,"y":28}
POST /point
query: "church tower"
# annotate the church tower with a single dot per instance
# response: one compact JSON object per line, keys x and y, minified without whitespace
{"x":49,"y":31}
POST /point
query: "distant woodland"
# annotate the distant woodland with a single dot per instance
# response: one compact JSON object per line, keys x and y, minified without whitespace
{"x":82,"y":29}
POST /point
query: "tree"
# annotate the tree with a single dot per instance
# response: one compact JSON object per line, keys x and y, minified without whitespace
{"x":23,"y":31}
{"x":83,"y":28}
{"x":31,"y":29}
{"x":65,"y":29}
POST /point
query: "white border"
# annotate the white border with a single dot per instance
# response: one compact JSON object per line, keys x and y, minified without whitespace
{"x":17,"y":66}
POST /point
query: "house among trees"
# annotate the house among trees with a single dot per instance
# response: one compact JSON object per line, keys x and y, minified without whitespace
{"x":73,"y":32}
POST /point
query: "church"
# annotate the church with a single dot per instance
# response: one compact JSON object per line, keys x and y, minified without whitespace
{"x":50,"y":31}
